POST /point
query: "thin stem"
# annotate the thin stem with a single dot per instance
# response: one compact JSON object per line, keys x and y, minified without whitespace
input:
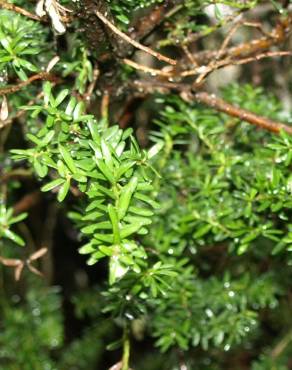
{"x":45,"y":76}
{"x":135,"y":43}
{"x":281,"y":346}
{"x":17,"y":9}
{"x":145,"y":69}
{"x":104,"y":108}
{"x":217,"y":104}
{"x":126,"y":350}
{"x":231,"y":110}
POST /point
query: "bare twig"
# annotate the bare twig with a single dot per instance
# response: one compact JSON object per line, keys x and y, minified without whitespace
{"x":227,"y":39}
{"x":105,"y":105}
{"x":276,"y":37}
{"x":258,"y":26}
{"x":145,"y":69}
{"x":220,"y":52}
{"x":203,"y":71}
{"x":19,"y":264}
{"x":92,"y":84}
{"x":145,"y":25}
{"x":39,"y":76}
{"x":15,"y":174}
{"x":189,"y":55}
{"x":17,"y":9}
{"x":282,"y":345}
{"x":136,"y":44}
{"x":244,"y":115}
{"x":27,"y":202}
{"x":217,"y":104}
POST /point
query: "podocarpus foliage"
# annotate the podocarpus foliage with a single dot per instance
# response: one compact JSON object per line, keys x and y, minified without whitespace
{"x":192,"y":221}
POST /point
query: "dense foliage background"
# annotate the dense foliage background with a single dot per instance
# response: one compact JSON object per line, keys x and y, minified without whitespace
{"x":145,"y":185}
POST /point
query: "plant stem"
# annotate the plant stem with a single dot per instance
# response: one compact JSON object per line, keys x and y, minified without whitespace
{"x":281,"y":346}
{"x":126,"y":349}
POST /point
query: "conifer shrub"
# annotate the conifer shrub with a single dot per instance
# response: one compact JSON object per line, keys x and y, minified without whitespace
{"x":145,"y":207}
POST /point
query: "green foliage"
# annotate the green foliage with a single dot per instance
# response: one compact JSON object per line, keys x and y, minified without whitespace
{"x":107,"y":165}
{"x":222,"y":318}
{"x":20,"y":46}
{"x":6,"y":220}
{"x":193,"y":229}
{"x":31,"y":330}
{"x":237,"y":184}
{"x":123,"y":9}
{"x":266,"y":362}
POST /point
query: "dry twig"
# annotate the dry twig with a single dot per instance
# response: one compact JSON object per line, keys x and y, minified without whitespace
{"x":145,"y":69}
{"x":92,"y":84}
{"x":276,"y":37}
{"x":218,"y":104}
{"x":136,"y":44}
{"x":19,"y":264}
{"x":45,"y":76}
{"x":244,"y":115}
{"x":17,"y":9}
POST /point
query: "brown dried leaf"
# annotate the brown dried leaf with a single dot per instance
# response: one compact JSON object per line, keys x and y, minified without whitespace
{"x":4,"y":109}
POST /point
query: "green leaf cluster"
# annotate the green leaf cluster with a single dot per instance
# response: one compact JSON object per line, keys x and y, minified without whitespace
{"x":21,"y":41}
{"x":33,"y":324}
{"x":7,"y":219}
{"x":106,"y":165}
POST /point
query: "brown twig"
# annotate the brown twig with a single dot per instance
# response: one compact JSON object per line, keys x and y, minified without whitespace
{"x":145,"y":69}
{"x":45,"y":76}
{"x":244,"y":115}
{"x":227,"y":39}
{"x":15,"y":174}
{"x":27,"y":202}
{"x":282,"y":345}
{"x":154,"y":18}
{"x":104,"y":108}
{"x":17,"y":9}
{"x":217,"y":104}
{"x":135,"y":43}
{"x":47,"y":237}
{"x":189,"y":55}
{"x":92,"y":84}
{"x":195,"y":36}
{"x":229,"y":62}
{"x":204,"y":70}
{"x":212,"y":64}
{"x":19,"y":264}
{"x":276,"y":37}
